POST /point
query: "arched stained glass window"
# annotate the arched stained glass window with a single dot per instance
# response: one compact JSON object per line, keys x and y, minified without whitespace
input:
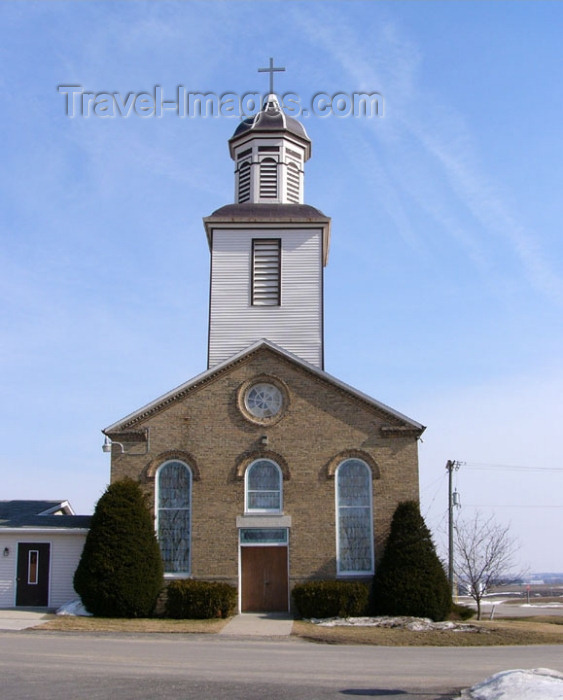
{"x":173,"y":507}
{"x":263,"y":487}
{"x":354,"y":536}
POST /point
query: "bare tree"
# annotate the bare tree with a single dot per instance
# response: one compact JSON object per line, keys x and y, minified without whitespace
{"x":484,"y":552}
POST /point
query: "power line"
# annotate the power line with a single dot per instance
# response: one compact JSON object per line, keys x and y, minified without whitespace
{"x":439,"y":479}
{"x":509,"y":467}
{"x":506,"y":505}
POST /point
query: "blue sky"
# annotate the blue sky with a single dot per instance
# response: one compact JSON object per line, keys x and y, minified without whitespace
{"x":444,"y":289}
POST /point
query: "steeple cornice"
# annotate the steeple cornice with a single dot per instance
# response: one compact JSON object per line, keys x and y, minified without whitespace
{"x":233,"y":216}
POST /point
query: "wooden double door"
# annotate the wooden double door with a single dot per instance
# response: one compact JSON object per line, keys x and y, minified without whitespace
{"x":33,"y":574}
{"x":264,"y":579}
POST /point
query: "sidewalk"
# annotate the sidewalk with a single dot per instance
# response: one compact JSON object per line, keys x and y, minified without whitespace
{"x":259,"y":625}
{"x":21,"y":619}
{"x":243,"y":625}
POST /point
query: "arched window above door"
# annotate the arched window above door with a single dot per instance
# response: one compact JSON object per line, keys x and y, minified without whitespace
{"x":263,"y":487}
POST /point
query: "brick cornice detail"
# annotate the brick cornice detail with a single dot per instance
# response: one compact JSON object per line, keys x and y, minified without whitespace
{"x":182,"y":456}
{"x":352,"y":454}
{"x":399,"y":431}
{"x":395,"y":424}
{"x":247,"y":458}
{"x":188,"y":390}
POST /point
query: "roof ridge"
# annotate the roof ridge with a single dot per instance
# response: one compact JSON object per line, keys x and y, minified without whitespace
{"x":181,"y":390}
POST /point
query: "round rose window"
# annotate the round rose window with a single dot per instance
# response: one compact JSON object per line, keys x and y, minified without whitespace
{"x":263,"y":400}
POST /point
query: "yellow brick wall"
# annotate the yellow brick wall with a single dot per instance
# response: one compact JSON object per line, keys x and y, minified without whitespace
{"x":319,"y":423}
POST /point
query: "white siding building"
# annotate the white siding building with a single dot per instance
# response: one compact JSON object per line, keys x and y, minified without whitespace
{"x":40,"y":546}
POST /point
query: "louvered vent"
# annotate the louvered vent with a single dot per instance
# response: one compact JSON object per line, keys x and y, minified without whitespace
{"x":293,"y":189}
{"x":266,"y":259}
{"x":268,"y":179}
{"x":244,"y":182}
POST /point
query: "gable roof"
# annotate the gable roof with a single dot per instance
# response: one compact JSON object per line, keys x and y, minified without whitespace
{"x":400,"y":421}
{"x":41,"y":514}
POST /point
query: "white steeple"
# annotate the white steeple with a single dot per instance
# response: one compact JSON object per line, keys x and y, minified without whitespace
{"x":268,"y":249}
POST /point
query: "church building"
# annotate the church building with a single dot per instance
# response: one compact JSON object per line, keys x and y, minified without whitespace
{"x":264,"y":470}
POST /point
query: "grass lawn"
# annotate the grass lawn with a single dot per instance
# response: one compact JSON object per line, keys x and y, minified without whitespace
{"x":540,"y":630}
{"x":534,"y":630}
{"x":67,"y":623}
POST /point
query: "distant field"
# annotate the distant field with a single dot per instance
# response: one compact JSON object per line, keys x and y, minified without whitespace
{"x":537,"y":600}
{"x":521,"y":593}
{"x":536,"y":590}
{"x":516,"y":604}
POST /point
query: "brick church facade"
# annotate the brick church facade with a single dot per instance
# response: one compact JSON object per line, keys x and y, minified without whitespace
{"x":264,"y":470}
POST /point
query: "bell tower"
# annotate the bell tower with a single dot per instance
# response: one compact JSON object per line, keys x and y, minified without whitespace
{"x":270,"y":151}
{"x":268,"y":250}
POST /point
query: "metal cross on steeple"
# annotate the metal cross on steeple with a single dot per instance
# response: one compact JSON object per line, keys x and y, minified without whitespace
{"x":271,"y":70}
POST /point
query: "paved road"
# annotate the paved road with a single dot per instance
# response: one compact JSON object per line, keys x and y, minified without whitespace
{"x":57,"y":666}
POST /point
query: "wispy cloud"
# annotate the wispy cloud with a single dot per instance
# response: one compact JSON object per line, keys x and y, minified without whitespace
{"x":431,"y":156}
{"x":480,"y":196}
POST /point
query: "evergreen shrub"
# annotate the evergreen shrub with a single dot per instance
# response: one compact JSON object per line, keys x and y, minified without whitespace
{"x":120,"y":571}
{"x":462,"y":612}
{"x":200,"y":600}
{"x":410,"y":579}
{"x":322,"y":599}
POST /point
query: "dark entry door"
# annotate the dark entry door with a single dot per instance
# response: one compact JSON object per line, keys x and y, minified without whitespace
{"x":33,"y":574}
{"x":264,"y":579}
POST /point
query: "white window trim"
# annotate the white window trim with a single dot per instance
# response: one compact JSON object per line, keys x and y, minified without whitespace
{"x":265,"y":543}
{"x":29,"y":553}
{"x":174,"y":574}
{"x":339,"y":571}
{"x":262,"y":511}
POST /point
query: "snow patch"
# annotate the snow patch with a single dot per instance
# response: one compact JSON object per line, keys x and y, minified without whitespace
{"x":73,"y":607}
{"x":415,"y":624}
{"x":518,"y":684}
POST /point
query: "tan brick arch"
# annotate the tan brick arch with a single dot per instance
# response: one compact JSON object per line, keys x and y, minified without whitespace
{"x":247,"y":458}
{"x":180,"y":455}
{"x":352,"y":454}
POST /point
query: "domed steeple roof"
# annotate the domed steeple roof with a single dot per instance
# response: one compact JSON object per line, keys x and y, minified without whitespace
{"x":271,"y":118}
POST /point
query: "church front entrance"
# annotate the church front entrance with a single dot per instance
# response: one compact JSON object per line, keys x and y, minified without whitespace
{"x":264,"y":579}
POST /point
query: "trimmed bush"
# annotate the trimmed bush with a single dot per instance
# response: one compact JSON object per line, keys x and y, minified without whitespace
{"x":410,"y":579}
{"x":120,"y":570}
{"x":200,"y":600}
{"x":462,"y":612}
{"x":322,"y":599}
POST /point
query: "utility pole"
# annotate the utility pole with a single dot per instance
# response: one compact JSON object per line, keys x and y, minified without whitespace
{"x":451,"y":466}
